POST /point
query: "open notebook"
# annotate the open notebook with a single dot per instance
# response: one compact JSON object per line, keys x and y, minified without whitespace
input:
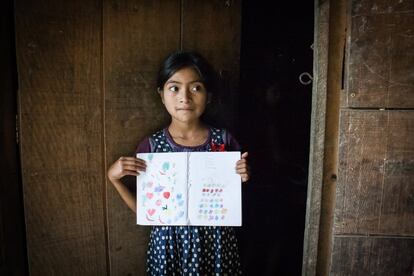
{"x":189,"y":188}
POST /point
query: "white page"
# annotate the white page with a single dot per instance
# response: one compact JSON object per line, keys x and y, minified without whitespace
{"x":162,"y":190}
{"x":215,"y":189}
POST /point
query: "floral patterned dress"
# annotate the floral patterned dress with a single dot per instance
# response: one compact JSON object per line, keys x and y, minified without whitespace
{"x":192,"y":250}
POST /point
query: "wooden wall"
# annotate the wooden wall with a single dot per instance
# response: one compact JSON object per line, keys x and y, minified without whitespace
{"x":87,"y":96}
{"x":367,"y":193}
{"x":374,"y":215}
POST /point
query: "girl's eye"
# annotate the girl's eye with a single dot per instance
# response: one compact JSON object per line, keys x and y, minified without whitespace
{"x":196,"y":88}
{"x":173,"y":88}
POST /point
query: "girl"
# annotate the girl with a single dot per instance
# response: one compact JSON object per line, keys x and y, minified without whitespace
{"x":185,"y":82}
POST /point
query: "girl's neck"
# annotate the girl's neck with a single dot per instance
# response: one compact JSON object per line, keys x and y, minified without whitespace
{"x":185,"y":130}
{"x":188,"y":134}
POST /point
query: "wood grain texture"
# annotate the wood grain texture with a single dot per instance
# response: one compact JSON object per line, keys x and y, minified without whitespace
{"x":59,"y":58}
{"x":138,"y":35}
{"x":381,"y":54}
{"x":372,"y":256}
{"x":317,"y":143}
{"x":375,"y":189}
{"x":213,"y":28}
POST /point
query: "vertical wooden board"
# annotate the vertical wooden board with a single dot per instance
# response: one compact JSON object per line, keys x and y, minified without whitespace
{"x":213,"y":29}
{"x":381,"y":54}
{"x":372,"y":256}
{"x":360,"y":177}
{"x":375,"y":191}
{"x":59,"y":58}
{"x":397,"y":203}
{"x":138,"y":35}
{"x":316,"y":155}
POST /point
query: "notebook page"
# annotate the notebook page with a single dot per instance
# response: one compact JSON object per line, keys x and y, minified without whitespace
{"x":162,"y":189}
{"x":214,"y":189}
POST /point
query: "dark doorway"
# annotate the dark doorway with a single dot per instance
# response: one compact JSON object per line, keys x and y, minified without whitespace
{"x":274,"y":123}
{"x":13,"y":260}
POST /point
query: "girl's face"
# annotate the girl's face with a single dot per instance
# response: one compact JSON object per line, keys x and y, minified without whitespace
{"x":184,"y":96}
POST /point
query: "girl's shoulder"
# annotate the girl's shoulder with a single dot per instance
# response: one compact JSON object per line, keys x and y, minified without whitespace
{"x":221,"y":136}
{"x":149,"y":143}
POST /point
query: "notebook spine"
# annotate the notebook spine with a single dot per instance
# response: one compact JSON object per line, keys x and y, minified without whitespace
{"x":188,"y":187}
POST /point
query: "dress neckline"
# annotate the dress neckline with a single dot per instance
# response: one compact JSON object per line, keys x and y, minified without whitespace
{"x":175,"y":144}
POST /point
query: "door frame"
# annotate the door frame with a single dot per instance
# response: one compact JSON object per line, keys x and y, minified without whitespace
{"x":328,"y":59}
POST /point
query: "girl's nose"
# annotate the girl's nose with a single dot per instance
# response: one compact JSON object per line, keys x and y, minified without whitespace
{"x":185,"y":95}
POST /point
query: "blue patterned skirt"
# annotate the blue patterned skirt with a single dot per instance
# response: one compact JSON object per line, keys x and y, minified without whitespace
{"x":193,"y":250}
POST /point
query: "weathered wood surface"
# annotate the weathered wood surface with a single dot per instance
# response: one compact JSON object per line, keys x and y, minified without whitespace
{"x":380,"y":54}
{"x":59,"y":64}
{"x":375,"y":188}
{"x":372,"y":256}
{"x":374,"y":195}
{"x":313,"y":205}
{"x":137,"y":36}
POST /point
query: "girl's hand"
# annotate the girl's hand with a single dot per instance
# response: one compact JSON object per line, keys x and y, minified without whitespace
{"x":243,"y":168}
{"x":126,"y":166}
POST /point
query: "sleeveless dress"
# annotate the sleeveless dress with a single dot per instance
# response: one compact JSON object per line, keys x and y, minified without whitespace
{"x":192,"y":250}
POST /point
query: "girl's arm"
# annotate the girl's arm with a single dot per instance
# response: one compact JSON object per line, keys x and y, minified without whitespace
{"x":125,"y":166}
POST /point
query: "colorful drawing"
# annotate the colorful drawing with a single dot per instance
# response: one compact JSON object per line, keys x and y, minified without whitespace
{"x":209,"y":202}
{"x":162,"y":202}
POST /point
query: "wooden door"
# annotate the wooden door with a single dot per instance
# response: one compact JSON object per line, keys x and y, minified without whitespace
{"x":87,"y":96}
{"x":360,"y":213}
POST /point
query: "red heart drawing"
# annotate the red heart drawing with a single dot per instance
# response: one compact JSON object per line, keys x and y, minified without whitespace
{"x":151,"y":211}
{"x":150,"y":195}
{"x":166,"y":194}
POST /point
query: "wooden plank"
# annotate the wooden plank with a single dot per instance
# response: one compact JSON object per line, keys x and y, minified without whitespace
{"x":375,"y":191}
{"x":59,"y":62}
{"x":317,"y":142}
{"x":397,"y":208}
{"x":372,"y":256}
{"x":213,"y":28}
{"x":381,"y":54}
{"x":137,"y":36}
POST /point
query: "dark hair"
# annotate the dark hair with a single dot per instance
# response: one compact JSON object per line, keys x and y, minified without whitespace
{"x":181,"y":59}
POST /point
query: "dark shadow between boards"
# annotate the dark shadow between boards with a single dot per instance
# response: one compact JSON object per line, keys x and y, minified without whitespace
{"x":273,"y":123}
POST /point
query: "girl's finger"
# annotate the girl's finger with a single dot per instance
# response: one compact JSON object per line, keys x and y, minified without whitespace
{"x":132,"y":159}
{"x":241,"y":161}
{"x":130,"y":163}
{"x":133,"y":168}
{"x":133,"y":162}
{"x":240,"y":166}
{"x":244,"y":155}
{"x":140,"y":161}
{"x":241,"y":171}
{"x":127,"y":158}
